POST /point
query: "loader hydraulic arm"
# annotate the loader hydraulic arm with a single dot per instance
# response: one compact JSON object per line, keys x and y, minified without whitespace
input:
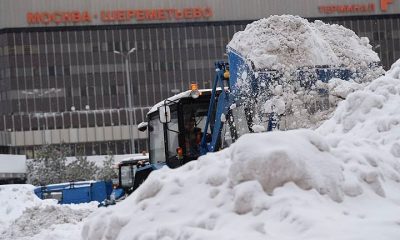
{"x":218,"y":107}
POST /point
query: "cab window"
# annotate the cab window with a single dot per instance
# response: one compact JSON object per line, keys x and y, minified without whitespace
{"x":195,"y":116}
{"x":156,"y":140}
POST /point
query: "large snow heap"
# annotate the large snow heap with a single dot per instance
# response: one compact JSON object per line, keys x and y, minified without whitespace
{"x":295,"y":47}
{"x":341,"y":181}
{"x":290,"y":41}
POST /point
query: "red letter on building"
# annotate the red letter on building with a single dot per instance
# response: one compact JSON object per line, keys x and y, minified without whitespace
{"x":86,"y":17}
{"x":75,"y":16}
{"x":151,"y":14}
{"x":384,"y":4}
{"x":33,"y":18}
{"x":187,"y":13}
{"x":130,"y":14}
{"x":207,"y":12}
{"x":140,"y":15}
{"x":46,"y":18}
{"x":197,"y":13}
{"x":161,"y":14}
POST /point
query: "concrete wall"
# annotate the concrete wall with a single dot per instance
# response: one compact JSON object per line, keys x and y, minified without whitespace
{"x":71,"y":135}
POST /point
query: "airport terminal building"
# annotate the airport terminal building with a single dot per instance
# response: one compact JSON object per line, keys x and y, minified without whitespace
{"x":62,"y":82}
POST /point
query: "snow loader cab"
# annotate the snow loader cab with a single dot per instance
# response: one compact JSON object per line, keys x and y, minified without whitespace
{"x":131,"y":174}
{"x":175,"y":128}
{"x":128,"y":180}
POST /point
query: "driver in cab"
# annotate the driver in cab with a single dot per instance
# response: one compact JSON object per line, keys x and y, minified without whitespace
{"x":193,"y":137}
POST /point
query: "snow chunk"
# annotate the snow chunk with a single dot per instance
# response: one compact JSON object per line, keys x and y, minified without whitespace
{"x":248,"y":197}
{"x":277,"y":158}
{"x":274,"y":105}
{"x":258,"y":128}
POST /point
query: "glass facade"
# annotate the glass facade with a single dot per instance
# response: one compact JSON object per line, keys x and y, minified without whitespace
{"x":70,"y":78}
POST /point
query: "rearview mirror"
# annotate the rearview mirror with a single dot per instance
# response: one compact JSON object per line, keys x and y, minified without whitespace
{"x":142,"y":126}
{"x":165,"y":114}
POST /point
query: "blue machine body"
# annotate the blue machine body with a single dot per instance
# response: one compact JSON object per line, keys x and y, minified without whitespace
{"x":76,"y":192}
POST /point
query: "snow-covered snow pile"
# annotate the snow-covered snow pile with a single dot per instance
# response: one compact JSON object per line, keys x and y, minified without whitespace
{"x":290,"y":41}
{"x":14,"y":199}
{"x":368,"y":124}
{"x":24,"y":216}
{"x":295,"y":48}
{"x":45,"y":219}
{"x":341,"y":181}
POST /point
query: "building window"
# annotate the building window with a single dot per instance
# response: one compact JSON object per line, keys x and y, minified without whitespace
{"x":113,"y":89}
{"x":95,"y":47}
{"x":52,"y":71}
{"x":83,"y":120}
{"x":177,"y":66}
{"x":35,"y":72}
{"x":139,"y":45}
{"x":123,"y":117}
{"x":99,"y":119}
{"x":170,"y":66}
{"x":115,"y":119}
{"x":106,"y":91}
{"x":75,"y":120}
{"x":91,"y":119}
{"x":27,"y":49}
{"x":34,"y":123}
{"x":107,"y":118}
{"x":67,"y":120}
{"x":68,"y":92}
{"x":162,"y":66}
{"x":149,"y":67}
{"x":83,"y":91}
{"x":59,"y":71}
{"x":104,"y":47}
{"x":9,"y":50}
{"x":117,"y":46}
{"x":67,"y":71}
{"x":58,"y":122}
{"x":110,"y":46}
{"x":91,"y":91}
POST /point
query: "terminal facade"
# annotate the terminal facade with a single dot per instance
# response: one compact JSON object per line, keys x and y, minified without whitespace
{"x":62,"y":83}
